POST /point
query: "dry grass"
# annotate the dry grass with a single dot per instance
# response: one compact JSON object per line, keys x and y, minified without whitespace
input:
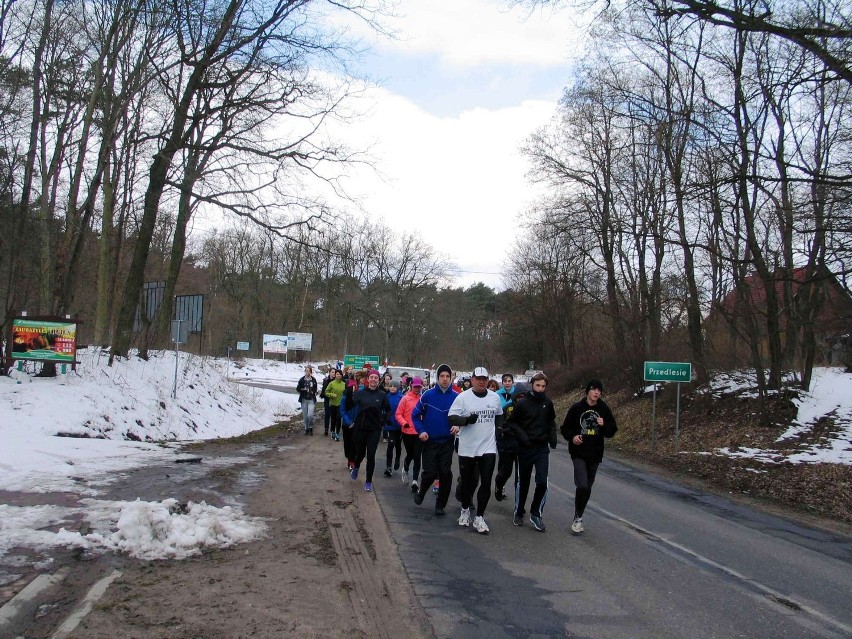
{"x":707,"y":424}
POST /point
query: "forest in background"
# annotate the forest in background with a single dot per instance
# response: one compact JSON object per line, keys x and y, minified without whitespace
{"x":698,"y":175}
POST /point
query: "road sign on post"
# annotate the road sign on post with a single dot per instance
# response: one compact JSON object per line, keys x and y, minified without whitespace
{"x":358,"y":361}
{"x":668,"y":372}
{"x":678,"y":372}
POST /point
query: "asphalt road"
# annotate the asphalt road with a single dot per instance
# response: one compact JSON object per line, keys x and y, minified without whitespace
{"x":657,"y":560}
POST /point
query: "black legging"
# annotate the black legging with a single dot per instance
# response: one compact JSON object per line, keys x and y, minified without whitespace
{"x":348,"y":443}
{"x":334,"y":418}
{"x":505,"y":468}
{"x":584,"y":477}
{"x":366,"y":443}
{"x":413,"y":453}
{"x":468,"y":467}
{"x":394,"y":445}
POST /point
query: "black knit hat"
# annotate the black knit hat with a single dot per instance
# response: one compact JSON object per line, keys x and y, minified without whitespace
{"x":443,"y":368}
{"x":594,"y":383}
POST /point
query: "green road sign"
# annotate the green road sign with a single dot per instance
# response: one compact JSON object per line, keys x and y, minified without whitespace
{"x":358,"y":361}
{"x":668,"y":372}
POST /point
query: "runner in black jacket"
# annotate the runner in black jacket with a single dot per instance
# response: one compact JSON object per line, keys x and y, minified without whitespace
{"x":373,"y":412}
{"x":533,"y":423}
{"x":586,"y":424}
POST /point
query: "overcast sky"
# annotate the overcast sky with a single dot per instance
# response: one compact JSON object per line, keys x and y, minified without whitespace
{"x":462,"y":86}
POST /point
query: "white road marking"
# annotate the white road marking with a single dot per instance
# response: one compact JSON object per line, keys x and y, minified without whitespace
{"x":85,"y":606}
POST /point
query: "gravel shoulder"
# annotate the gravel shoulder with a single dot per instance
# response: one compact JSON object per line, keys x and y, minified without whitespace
{"x":327,"y":568}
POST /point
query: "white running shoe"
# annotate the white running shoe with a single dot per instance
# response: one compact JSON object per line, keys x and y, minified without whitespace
{"x":464,"y":518}
{"x":415,"y":486}
{"x":577,"y":525}
{"x":479,"y":525}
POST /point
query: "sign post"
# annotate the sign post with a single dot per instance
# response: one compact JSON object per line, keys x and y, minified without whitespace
{"x":667,"y":372}
{"x":180,"y":333}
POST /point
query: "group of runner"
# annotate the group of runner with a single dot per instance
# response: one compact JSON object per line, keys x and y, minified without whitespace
{"x":507,"y":430}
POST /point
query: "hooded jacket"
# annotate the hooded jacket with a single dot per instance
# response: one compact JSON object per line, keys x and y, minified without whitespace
{"x":533,"y":421}
{"x":430,"y":413}
{"x":404,"y":410}
{"x":394,"y":399}
{"x":581,"y":419}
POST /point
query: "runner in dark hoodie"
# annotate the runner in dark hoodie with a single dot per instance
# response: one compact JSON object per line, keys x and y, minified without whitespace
{"x":533,"y":422}
{"x":586,"y":424}
{"x":373,"y":412}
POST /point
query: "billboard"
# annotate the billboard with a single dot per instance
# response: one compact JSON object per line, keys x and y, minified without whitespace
{"x":299,"y":341}
{"x":44,"y":340}
{"x":274,"y":343}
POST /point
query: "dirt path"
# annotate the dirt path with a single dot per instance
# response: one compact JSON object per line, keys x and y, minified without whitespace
{"x":328,"y":567}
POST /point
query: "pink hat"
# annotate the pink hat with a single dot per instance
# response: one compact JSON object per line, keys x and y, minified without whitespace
{"x":417,"y":382}
{"x":373,"y":372}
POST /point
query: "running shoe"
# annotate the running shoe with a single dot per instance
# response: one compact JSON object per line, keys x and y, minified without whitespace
{"x":368,"y":486}
{"x":415,"y":486}
{"x":577,"y":525}
{"x":353,"y":474}
{"x":517,"y":519}
{"x":499,"y":494}
{"x":388,"y":472}
{"x":418,"y":498}
{"x":464,"y":518}
{"x":537,"y":523}
{"x":439,"y":511}
{"x":480,"y":526}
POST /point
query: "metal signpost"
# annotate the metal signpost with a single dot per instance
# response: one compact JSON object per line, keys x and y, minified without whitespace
{"x":667,"y":372}
{"x":180,"y":334}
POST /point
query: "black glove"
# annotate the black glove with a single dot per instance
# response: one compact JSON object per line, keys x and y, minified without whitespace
{"x":472,"y":419}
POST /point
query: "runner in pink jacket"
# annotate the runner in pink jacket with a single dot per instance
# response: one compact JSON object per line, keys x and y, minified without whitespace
{"x":409,"y":435}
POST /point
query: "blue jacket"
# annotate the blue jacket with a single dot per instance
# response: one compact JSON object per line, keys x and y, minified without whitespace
{"x":506,"y":398}
{"x":430,"y":413}
{"x":394,"y":399}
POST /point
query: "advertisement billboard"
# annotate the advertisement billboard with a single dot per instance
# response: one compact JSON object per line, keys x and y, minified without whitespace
{"x":299,"y":341}
{"x":274,"y":343}
{"x":44,"y":340}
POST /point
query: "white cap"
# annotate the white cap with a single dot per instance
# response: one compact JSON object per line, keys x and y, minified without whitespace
{"x":480,"y":371}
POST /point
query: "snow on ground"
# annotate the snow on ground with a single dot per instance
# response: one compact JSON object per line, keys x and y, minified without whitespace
{"x":75,"y":432}
{"x":830,"y":396}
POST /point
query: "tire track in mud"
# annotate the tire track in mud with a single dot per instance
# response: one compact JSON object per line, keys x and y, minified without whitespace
{"x":371,"y":596}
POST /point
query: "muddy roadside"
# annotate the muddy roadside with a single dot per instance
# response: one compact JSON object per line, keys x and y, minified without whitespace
{"x":327,"y":568}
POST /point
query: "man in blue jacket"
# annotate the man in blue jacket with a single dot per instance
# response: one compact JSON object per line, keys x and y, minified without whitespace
{"x":438,"y":436}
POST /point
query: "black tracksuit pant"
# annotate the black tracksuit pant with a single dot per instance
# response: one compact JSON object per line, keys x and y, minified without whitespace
{"x":437,"y":464}
{"x":366,"y":443}
{"x":532,"y":457}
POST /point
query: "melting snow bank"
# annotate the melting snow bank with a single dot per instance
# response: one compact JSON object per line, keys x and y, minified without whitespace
{"x":829,"y":398}
{"x":169,"y":530}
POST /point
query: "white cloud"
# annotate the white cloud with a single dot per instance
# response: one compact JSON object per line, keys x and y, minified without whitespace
{"x":459,"y":182}
{"x":475,"y":32}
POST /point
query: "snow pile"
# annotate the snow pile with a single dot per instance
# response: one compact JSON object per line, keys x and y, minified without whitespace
{"x":830,"y":396}
{"x":74,"y":434}
{"x":133,"y":399}
{"x":169,"y":530}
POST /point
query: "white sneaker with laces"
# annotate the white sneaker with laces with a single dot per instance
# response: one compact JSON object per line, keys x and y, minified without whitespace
{"x":464,"y":518}
{"x":479,"y":525}
{"x":577,"y":525}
